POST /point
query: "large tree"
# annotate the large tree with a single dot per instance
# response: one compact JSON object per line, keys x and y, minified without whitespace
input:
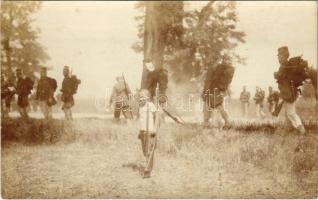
{"x":19,"y":45}
{"x":205,"y":36}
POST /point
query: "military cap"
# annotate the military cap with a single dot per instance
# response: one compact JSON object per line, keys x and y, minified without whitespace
{"x":66,"y":67}
{"x":18,"y":70}
{"x":283,"y":50}
{"x":44,"y":68}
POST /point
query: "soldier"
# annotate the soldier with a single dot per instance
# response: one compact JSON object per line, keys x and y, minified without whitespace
{"x":45,"y":93}
{"x":259,"y":102}
{"x":23,"y":89}
{"x":290,"y":76}
{"x":121,"y":97}
{"x":7,"y":93}
{"x":216,"y":84}
{"x":69,"y":88}
{"x":272,"y":99}
{"x":245,"y":100}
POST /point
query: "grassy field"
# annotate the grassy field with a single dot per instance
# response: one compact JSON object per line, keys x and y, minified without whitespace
{"x":98,"y":158}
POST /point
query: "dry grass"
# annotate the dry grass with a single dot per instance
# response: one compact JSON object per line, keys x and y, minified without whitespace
{"x":95,"y":158}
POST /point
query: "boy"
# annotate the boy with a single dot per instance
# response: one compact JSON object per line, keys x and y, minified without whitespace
{"x":147,"y":133}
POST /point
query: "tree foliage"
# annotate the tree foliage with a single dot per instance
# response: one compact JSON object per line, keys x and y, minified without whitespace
{"x":198,"y":40}
{"x":19,"y":45}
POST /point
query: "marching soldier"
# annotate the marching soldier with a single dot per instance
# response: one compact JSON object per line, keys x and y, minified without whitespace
{"x":69,"y":88}
{"x":272,"y":99}
{"x":7,"y":94}
{"x":245,"y":100}
{"x":23,"y":89}
{"x":290,"y":76}
{"x":216,"y":85}
{"x":45,"y":93}
{"x":259,"y":101}
{"x":121,"y":98}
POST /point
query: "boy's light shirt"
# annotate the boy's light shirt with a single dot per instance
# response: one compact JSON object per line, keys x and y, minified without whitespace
{"x":143,"y":117}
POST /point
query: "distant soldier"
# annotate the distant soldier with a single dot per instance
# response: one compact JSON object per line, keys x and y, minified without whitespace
{"x":245,"y":100}
{"x":120,"y":96}
{"x":259,"y":102}
{"x":69,"y":88}
{"x":45,"y":93}
{"x":290,"y":76}
{"x":312,"y":75}
{"x":147,"y":129}
{"x":7,"y":94}
{"x":272,"y":99}
{"x":216,"y":85}
{"x":23,"y":89}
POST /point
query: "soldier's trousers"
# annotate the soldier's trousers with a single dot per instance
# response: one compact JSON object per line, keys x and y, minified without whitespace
{"x":46,"y":109}
{"x":208,"y":113}
{"x":5,"y":109}
{"x":291,"y":115}
{"x":245,"y":108}
{"x":119,"y":107}
{"x":259,"y":110}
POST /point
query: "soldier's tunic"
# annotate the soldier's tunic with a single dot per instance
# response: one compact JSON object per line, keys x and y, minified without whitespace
{"x":67,"y":93}
{"x":245,"y":99}
{"x":259,"y":101}
{"x":23,"y":89}
{"x":7,"y":93}
{"x":45,"y":95}
{"x":122,"y":100}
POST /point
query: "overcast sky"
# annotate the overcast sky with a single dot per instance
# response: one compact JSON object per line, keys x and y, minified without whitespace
{"x":95,"y":39}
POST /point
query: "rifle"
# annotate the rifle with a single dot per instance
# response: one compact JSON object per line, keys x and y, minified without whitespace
{"x":278,"y":108}
{"x":127,"y":94}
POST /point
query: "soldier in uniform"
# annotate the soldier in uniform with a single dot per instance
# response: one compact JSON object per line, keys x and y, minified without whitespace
{"x":120,"y":96}
{"x":245,"y":100}
{"x":23,"y":89}
{"x":7,"y":94}
{"x":45,"y":93}
{"x":272,"y":99}
{"x":290,"y":76}
{"x":69,"y":88}
{"x":259,"y":102}
{"x":216,"y":85}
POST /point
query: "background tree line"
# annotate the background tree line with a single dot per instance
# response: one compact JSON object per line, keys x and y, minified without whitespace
{"x":19,"y":39}
{"x":194,"y":39}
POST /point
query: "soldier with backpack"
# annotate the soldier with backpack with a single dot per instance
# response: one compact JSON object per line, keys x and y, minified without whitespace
{"x":69,"y":88}
{"x":272,"y":99}
{"x":259,"y":102}
{"x":121,"y":97}
{"x":7,"y":94}
{"x":245,"y":100}
{"x":23,"y":89}
{"x":290,"y":76}
{"x":216,"y":85}
{"x":45,"y":93}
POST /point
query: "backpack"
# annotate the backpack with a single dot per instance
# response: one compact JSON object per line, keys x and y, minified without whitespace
{"x":74,"y":84}
{"x":298,"y":71}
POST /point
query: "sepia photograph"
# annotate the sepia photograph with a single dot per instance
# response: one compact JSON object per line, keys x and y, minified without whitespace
{"x":159,"y":100}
